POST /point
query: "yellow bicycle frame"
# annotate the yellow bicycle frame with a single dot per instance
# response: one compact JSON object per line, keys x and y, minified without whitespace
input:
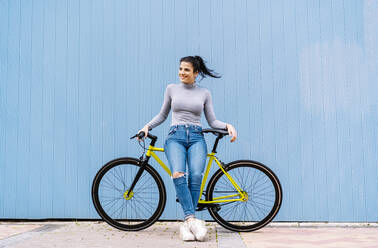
{"x":151,"y":152}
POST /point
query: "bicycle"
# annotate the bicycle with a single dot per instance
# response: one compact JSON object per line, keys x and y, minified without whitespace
{"x":243,"y":195}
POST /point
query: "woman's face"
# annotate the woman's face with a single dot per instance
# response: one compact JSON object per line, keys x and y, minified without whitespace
{"x":186,"y":73}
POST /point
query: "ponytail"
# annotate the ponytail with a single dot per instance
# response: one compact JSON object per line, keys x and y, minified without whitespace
{"x":199,"y":66}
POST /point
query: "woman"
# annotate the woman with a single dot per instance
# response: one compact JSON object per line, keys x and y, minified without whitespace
{"x":185,"y":143}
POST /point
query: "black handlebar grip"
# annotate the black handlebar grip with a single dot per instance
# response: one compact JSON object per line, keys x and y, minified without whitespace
{"x":141,"y":135}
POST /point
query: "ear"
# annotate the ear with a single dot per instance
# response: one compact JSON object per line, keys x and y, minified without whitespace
{"x":195,"y":74}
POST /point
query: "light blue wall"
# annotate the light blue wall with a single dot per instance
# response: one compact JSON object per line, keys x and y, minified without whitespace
{"x":78,"y":78}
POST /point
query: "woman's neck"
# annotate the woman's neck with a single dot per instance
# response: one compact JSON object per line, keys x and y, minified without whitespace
{"x":189,"y":86}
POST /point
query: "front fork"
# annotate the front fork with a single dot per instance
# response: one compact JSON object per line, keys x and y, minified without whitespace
{"x":143,"y":163}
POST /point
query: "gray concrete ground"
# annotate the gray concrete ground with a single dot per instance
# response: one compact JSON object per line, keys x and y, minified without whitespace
{"x":165,"y":234}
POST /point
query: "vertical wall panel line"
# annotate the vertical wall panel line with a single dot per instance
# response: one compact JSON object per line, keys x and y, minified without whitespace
{"x":4,"y":25}
{"x":30,"y":105}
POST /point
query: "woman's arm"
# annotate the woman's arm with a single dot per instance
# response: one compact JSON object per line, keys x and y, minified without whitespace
{"x":164,"y":111}
{"x":212,"y":120}
{"x":162,"y":115}
{"x":210,"y":115}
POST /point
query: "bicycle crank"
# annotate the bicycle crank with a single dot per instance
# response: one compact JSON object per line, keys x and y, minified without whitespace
{"x":244,"y":196}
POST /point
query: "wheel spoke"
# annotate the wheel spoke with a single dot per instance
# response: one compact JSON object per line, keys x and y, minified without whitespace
{"x":256,"y":181}
{"x":144,"y":203}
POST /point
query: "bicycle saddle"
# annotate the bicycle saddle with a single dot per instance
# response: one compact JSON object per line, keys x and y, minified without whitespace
{"x":217,"y":132}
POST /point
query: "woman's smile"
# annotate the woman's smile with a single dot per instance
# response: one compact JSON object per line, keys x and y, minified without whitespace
{"x":186,"y":73}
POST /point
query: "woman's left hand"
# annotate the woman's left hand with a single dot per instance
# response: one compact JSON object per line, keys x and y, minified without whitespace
{"x":232,"y":132}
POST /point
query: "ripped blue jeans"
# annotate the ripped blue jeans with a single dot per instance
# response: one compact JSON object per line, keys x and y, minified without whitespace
{"x":185,"y":145}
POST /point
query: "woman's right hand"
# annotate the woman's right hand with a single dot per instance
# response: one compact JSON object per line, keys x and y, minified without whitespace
{"x":145,"y":130}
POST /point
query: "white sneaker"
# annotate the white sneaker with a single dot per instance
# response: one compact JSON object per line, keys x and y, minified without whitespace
{"x":198,"y":228}
{"x":185,"y":233}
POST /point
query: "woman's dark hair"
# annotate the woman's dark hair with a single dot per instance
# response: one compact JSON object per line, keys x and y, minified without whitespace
{"x":199,"y":66}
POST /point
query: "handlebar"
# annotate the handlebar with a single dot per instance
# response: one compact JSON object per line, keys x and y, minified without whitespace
{"x":220,"y":133}
{"x":139,"y":135}
{"x":217,"y":132}
{"x":142,"y":134}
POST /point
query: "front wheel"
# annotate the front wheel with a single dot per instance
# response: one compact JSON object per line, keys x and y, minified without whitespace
{"x":262,"y":194}
{"x":128,"y":211}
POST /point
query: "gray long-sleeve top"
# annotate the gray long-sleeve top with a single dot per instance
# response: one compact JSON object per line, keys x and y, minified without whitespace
{"x":187,"y":102}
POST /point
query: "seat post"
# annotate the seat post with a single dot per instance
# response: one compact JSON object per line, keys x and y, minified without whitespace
{"x":220,"y":133}
{"x":216,"y":143}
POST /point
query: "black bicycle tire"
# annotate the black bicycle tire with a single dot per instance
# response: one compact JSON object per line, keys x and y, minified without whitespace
{"x":155,"y":175}
{"x":259,"y":166}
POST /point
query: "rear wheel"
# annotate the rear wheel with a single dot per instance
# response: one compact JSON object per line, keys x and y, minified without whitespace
{"x":128,"y":211}
{"x":262,"y":196}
